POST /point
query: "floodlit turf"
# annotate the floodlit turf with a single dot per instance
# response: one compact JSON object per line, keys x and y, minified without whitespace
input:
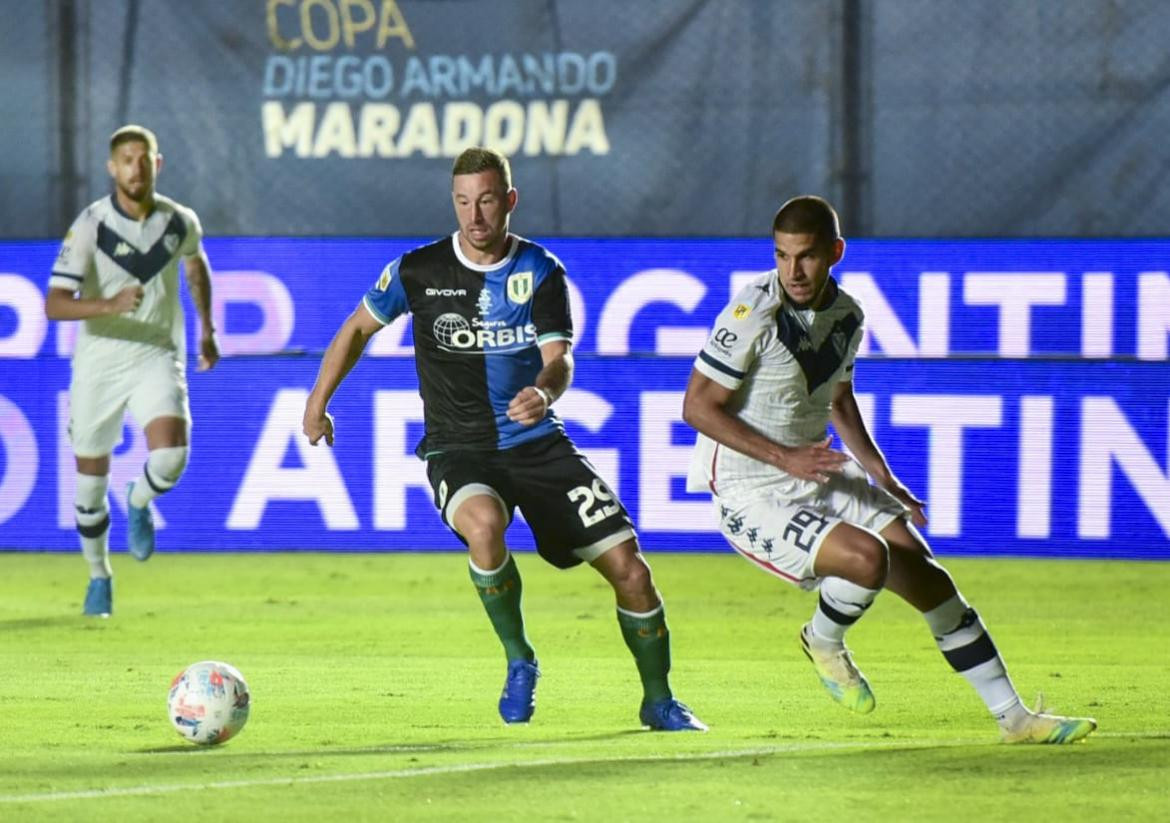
{"x":374,"y":681}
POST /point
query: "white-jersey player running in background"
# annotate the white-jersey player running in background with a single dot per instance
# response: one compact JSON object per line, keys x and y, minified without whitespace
{"x":118,"y":273}
{"x":776,"y":370}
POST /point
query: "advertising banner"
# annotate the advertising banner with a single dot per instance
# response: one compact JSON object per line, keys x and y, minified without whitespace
{"x":1020,"y":387}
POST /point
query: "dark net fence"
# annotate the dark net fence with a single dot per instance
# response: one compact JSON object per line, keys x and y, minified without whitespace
{"x":657,"y":117}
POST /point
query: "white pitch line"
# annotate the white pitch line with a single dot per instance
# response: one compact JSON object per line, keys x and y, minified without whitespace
{"x":457,"y":768}
{"x":464,"y":768}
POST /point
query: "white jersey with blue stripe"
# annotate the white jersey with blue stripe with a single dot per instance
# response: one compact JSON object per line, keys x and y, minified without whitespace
{"x":782,"y":363}
{"x":105,"y":251}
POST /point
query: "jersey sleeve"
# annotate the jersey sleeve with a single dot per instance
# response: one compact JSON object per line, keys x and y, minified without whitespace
{"x":386,"y":299}
{"x":741,"y":330}
{"x":193,"y":242}
{"x":550,"y":308}
{"x":75,"y":258}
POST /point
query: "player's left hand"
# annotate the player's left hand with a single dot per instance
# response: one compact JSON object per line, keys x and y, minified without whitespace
{"x":528,"y":407}
{"x":916,"y":506}
{"x":208,"y":352}
{"x":317,"y":426}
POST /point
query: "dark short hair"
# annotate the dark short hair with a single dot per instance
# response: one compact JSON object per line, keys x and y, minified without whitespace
{"x":808,"y":214}
{"x":478,"y":158}
{"x":131,"y":132}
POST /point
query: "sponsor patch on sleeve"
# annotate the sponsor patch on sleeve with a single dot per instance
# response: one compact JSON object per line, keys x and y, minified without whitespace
{"x":741,"y":311}
{"x":387,"y":275}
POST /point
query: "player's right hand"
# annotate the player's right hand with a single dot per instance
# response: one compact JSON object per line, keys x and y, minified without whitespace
{"x":127,"y":300}
{"x":814,"y":462}
{"x":316,"y":426}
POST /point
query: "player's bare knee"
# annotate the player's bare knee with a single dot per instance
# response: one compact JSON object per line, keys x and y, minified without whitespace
{"x":636,"y":578}
{"x":484,"y":532}
{"x":625,"y":569}
{"x":868,"y":562}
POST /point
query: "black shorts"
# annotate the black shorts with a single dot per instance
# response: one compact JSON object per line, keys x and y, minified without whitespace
{"x":573,"y":514}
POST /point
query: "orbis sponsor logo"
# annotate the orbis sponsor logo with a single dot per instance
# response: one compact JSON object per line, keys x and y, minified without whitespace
{"x":454,"y":332}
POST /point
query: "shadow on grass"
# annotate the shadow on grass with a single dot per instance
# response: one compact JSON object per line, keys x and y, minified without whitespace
{"x":479,"y":744}
{"x":23,"y":623}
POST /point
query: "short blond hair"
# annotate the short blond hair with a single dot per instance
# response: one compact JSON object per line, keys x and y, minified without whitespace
{"x":134,"y":132}
{"x":478,"y":159}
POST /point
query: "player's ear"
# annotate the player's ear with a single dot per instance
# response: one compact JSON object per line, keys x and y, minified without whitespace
{"x":513,"y":198}
{"x":158,"y":164}
{"x":838,"y":251}
{"x":110,"y":167}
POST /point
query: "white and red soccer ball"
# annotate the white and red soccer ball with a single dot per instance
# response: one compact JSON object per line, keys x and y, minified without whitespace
{"x":208,"y":702}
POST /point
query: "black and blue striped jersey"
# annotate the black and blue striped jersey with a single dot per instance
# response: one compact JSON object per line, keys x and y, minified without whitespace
{"x":477,"y":336}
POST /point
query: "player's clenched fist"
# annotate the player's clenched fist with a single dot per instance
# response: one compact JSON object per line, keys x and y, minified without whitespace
{"x":529,"y":406}
{"x":317,"y":425}
{"x":127,"y":300}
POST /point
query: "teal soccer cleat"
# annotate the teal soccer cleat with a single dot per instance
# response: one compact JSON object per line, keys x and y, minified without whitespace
{"x":1051,"y":729}
{"x":99,"y":597}
{"x":670,"y":716}
{"x":518,"y":700}
{"x":140,"y":528}
{"x":838,"y":674}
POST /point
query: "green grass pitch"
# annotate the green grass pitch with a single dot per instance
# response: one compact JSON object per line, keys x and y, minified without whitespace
{"x":374,"y":680}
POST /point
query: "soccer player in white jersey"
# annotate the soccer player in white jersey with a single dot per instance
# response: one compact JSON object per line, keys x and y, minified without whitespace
{"x":118,"y":273}
{"x":775,"y":371}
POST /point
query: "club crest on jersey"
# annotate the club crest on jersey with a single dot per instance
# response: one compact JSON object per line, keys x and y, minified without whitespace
{"x":170,"y":243}
{"x":484,"y":302}
{"x":519,"y":287}
{"x":122,"y":249}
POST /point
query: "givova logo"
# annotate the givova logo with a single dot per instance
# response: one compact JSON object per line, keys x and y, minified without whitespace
{"x":454,"y":333}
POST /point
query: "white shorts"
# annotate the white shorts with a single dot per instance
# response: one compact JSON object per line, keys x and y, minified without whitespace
{"x":780,"y":530}
{"x":152,"y":388}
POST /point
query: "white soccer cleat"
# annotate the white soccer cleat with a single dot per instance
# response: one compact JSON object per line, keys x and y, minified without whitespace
{"x":1038,"y":727}
{"x":840,"y":677}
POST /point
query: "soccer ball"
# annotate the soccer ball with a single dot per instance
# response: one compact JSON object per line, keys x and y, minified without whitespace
{"x":208,"y":702}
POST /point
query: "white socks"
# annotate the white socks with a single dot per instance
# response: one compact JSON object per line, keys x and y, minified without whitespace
{"x":160,"y":473}
{"x":92,"y":508}
{"x":841,"y":604}
{"x":967,"y":646}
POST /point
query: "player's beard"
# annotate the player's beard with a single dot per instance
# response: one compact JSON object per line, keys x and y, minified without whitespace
{"x":139,"y":192}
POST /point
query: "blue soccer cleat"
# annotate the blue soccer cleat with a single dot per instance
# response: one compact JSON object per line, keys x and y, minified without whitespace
{"x":140,"y":528}
{"x":670,"y":716}
{"x":518,"y":700}
{"x":99,"y":597}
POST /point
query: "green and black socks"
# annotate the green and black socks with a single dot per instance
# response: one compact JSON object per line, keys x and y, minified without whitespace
{"x":500,"y":592}
{"x":648,"y":639}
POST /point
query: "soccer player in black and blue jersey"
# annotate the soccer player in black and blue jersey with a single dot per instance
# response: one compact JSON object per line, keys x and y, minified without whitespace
{"x":492,"y":339}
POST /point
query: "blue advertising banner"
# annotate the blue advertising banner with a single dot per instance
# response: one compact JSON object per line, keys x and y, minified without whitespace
{"x":1020,"y":387}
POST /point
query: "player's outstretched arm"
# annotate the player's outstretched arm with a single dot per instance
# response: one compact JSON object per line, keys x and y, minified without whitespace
{"x":705,"y":408}
{"x":531,"y":403}
{"x":343,"y":353}
{"x":61,"y":304}
{"x":198,"y":271}
{"x":847,"y":420}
